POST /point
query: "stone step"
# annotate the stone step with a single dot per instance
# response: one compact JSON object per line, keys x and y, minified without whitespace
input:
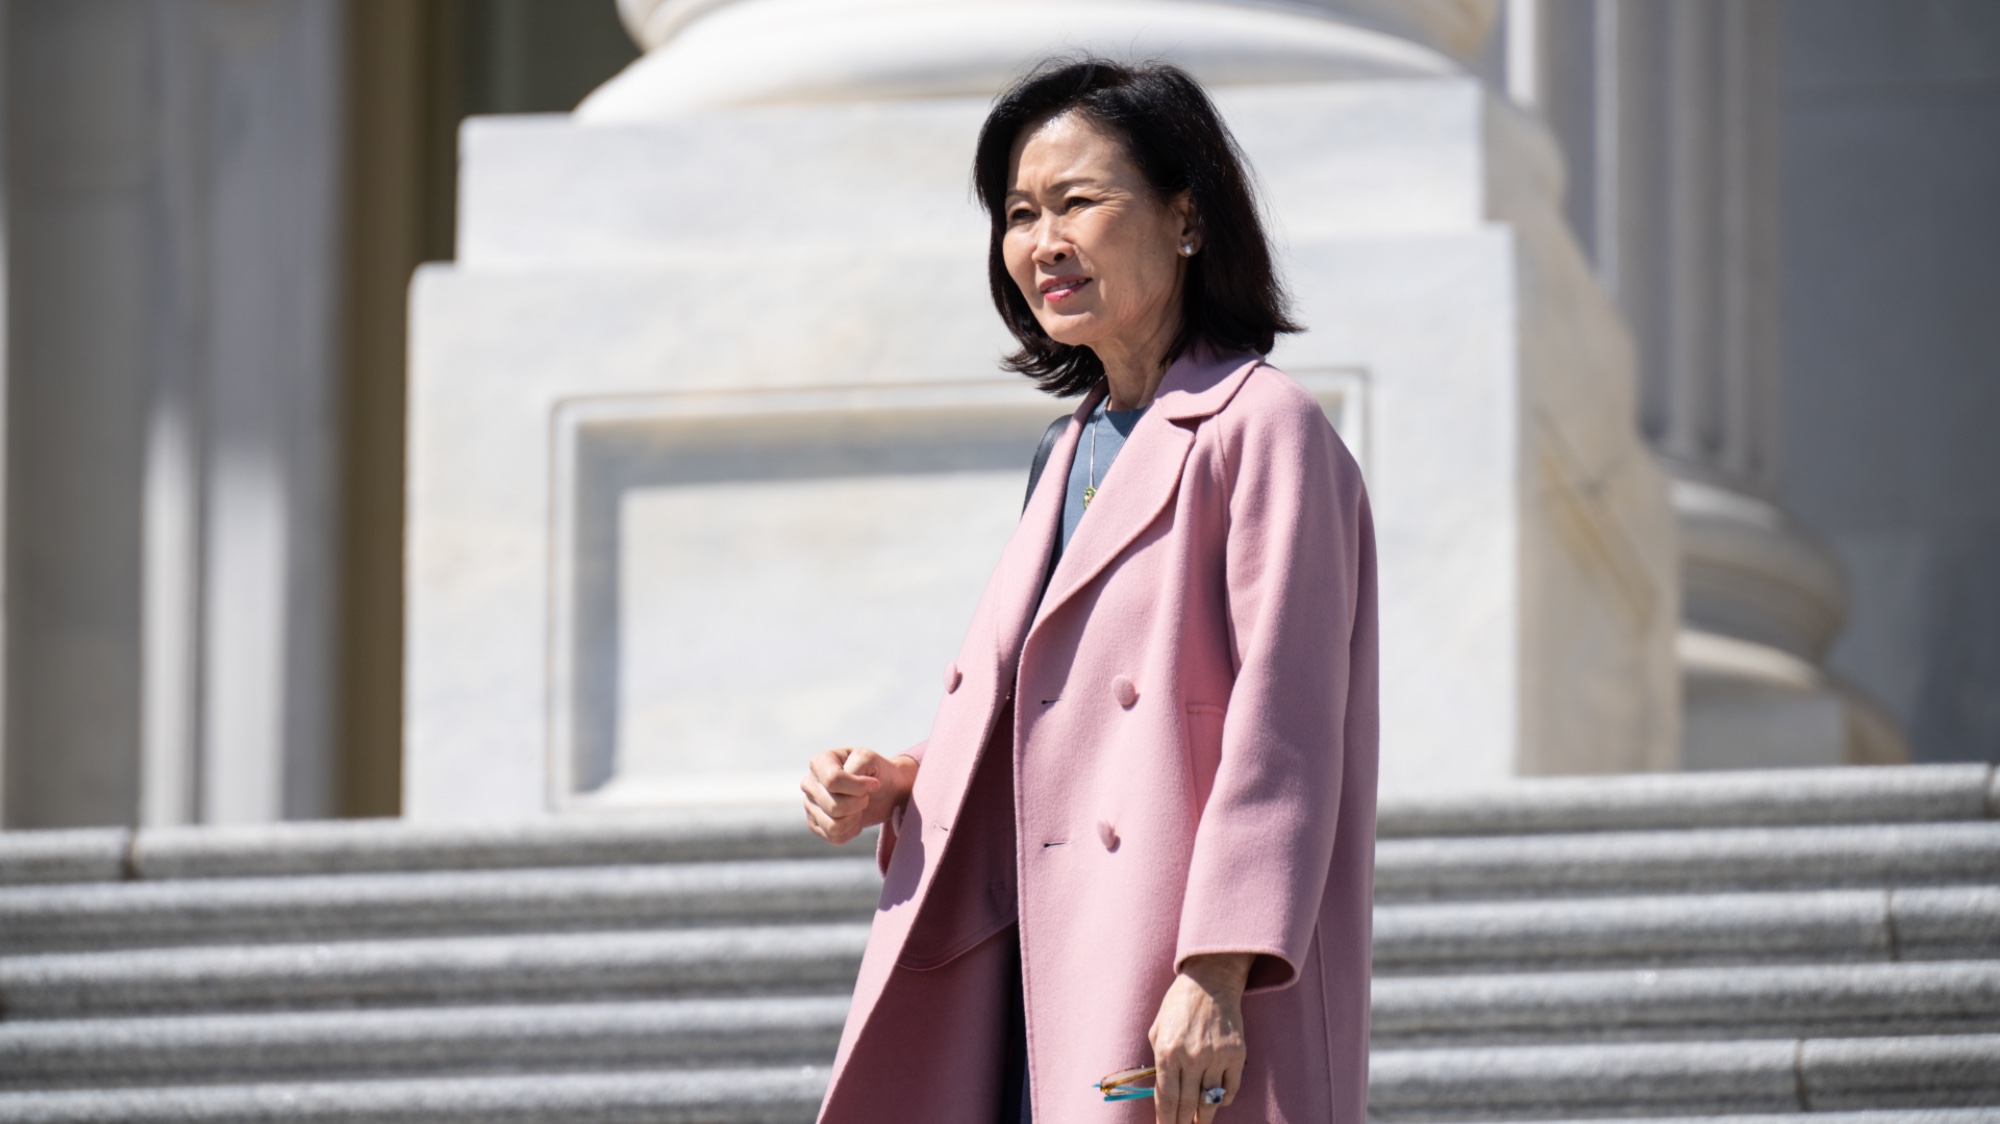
{"x":1560,"y":948}
{"x":1718,"y":859}
{"x":1681,"y":1080}
{"x":796,"y":959}
{"x":1865,"y":1117}
{"x":80,"y":916}
{"x":1410,"y":940}
{"x":95,"y":854}
{"x":1791,"y":1001}
{"x":203,"y":1049}
{"x":1958,"y":923}
{"x":1802,"y":797}
{"x":787,"y":1095}
{"x":1445,"y":1012}
{"x":1685,"y":1078}
{"x":1766,"y":798}
{"x":332,"y":907}
{"x":355,"y":846}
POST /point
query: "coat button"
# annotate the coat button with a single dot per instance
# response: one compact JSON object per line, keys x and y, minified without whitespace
{"x":1123,"y":690}
{"x":951,"y":677}
{"x":1108,"y":834}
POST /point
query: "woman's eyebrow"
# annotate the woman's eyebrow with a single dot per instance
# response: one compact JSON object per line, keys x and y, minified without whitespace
{"x":1058,"y":186}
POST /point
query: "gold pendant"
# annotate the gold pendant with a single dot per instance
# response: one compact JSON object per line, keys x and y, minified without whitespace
{"x":1089,"y":493}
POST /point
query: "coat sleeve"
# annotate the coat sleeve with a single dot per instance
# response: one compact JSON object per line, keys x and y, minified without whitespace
{"x":1298,"y":556}
{"x":885,"y":839}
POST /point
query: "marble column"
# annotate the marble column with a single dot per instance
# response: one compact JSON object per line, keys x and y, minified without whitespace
{"x":6,"y":614}
{"x":173,"y":168}
{"x":1667,"y":114}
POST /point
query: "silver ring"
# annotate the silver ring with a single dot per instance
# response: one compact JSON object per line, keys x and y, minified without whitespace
{"x":1214,"y":1095}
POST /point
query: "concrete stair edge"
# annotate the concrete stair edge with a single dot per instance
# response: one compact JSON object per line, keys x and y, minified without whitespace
{"x":1774,"y":797}
{"x":1770,"y":1076}
{"x":1961,"y":998}
{"x":87,"y":854}
{"x":265,"y":909}
{"x":1746,"y":928}
{"x":1753,"y":1075}
{"x":788,"y":1095}
{"x":1579,"y":864}
{"x":350,"y":846}
{"x":1563,"y":869}
{"x":1841,"y":926}
{"x":1840,"y":795}
{"x":741,"y":960}
{"x":1978,"y":1115}
{"x":293,"y":1045}
{"x":1715,"y":1002}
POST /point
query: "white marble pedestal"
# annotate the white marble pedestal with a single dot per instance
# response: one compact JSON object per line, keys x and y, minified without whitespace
{"x":711,"y":455}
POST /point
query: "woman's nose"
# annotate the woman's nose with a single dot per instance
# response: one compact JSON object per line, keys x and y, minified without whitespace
{"x":1051,"y":244}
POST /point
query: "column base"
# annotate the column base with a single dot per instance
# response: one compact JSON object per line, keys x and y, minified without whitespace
{"x":1763,"y":599}
{"x":1755,"y":706}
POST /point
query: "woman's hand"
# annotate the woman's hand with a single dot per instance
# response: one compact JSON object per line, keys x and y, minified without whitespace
{"x":1198,"y":1037}
{"x":849,"y":789}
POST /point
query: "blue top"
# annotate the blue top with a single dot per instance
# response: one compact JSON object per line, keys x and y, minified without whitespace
{"x":1108,"y":429}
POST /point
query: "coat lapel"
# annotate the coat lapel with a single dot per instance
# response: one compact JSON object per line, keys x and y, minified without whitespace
{"x":1026,"y":558}
{"x":1146,"y":475}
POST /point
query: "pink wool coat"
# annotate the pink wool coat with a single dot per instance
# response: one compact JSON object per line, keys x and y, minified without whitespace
{"x":1172,"y":753}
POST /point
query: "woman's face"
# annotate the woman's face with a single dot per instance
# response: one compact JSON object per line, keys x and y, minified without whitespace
{"x":1094,"y":250}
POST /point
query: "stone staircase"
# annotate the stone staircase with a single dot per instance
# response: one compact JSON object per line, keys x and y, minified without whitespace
{"x":1720,"y":946}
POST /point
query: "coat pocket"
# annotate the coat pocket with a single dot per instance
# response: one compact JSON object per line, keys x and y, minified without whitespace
{"x":1203,"y":725}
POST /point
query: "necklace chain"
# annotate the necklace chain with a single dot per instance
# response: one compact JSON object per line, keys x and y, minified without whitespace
{"x":1090,"y":485}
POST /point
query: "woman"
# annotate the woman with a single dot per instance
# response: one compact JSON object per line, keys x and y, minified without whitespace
{"x":1142,"y":829}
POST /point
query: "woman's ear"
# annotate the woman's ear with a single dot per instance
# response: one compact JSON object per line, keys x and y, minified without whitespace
{"x":1182,"y":206}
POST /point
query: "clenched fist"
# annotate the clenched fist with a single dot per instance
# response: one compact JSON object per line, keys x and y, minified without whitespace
{"x":849,"y":789}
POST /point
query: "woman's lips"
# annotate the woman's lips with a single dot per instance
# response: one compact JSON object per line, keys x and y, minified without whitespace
{"x":1061,"y":289}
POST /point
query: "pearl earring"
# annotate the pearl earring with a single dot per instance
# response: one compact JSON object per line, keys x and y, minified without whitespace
{"x":1187,"y":249}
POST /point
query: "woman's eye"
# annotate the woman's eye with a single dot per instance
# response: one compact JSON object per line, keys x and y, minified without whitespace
{"x":1073,"y":202}
{"x":1020,"y":214}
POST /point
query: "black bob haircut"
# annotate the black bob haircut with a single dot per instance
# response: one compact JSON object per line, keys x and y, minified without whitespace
{"x":1231,"y":298}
